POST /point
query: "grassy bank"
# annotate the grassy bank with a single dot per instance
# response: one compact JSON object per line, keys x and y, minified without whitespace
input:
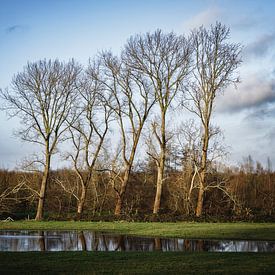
{"x":145,"y":262}
{"x":137,"y":263}
{"x":252,"y":231}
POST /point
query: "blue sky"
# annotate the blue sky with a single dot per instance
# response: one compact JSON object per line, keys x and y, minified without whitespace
{"x":33,"y":30}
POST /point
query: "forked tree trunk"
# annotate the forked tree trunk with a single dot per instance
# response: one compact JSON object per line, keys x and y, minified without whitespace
{"x":42,"y":193}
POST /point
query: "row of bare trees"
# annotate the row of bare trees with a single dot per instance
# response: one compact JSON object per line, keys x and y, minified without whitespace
{"x":118,"y":98}
{"x":244,"y":192}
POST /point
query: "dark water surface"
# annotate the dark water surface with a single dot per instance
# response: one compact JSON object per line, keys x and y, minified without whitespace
{"x":26,"y":240}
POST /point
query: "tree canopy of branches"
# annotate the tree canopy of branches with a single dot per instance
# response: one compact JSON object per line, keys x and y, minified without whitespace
{"x":215,"y":64}
{"x":89,"y":130}
{"x":132,"y":101}
{"x":42,"y":96}
{"x":164,"y":60}
{"x":126,"y":94}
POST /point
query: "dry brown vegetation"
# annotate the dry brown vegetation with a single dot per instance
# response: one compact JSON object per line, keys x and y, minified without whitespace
{"x":241,"y":195}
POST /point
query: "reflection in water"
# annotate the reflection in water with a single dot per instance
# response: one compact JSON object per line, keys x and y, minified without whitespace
{"x":82,"y":241}
{"x":41,"y":241}
{"x":157,"y":244}
{"x":97,"y":241}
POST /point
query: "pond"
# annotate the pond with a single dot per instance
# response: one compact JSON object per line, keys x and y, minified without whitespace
{"x":25,"y":240}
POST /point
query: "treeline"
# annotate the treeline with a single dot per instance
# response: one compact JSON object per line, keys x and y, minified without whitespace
{"x":233,"y":194}
{"x":115,"y":115}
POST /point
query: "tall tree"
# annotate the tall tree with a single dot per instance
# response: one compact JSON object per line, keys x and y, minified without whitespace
{"x":89,"y":130}
{"x":132,"y":100}
{"x":164,"y":60}
{"x":215,"y":64}
{"x":42,"y":97}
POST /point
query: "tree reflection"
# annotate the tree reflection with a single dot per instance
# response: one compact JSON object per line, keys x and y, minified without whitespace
{"x":41,"y":241}
{"x":82,"y":241}
{"x":97,"y":241}
{"x":157,"y":243}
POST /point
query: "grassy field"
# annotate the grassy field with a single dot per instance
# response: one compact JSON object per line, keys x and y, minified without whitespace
{"x":245,"y":231}
{"x":145,"y":262}
{"x":136,"y":263}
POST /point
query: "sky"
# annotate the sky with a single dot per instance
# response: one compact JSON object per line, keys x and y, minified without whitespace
{"x":64,"y":29}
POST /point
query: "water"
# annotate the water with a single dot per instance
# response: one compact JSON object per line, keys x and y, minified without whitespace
{"x":25,"y":240}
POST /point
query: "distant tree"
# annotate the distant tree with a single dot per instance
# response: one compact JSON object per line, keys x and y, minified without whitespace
{"x":42,"y":97}
{"x":215,"y":64}
{"x":248,"y":165}
{"x":164,"y":59}
{"x":269,"y":165}
{"x":259,"y":168}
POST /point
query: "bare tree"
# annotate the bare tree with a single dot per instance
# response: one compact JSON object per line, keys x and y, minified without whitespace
{"x":42,"y":96}
{"x":132,"y":101}
{"x":216,"y":61}
{"x":13,"y":195}
{"x":164,"y":60}
{"x":89,"y":131}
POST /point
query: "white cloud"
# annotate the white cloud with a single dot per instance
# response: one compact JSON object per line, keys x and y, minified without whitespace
{"x":206,"y":18}
{"x":253,"y":92}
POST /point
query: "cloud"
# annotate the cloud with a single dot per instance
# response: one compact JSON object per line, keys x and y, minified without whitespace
{"x":261,"y":46}
{"x":270,"y":135}
{"x":206,"y":17}
{"x":14,"y":28}
{"x":246,"y":23}
{"x":262,"y":112}
{"x":254,"y":92}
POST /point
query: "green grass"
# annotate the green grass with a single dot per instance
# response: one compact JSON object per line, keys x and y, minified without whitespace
{"x":246,"y":231}
{"x":136,"y":263}
{"x":145,"y":262}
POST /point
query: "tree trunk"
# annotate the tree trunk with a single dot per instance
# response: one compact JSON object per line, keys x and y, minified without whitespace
{"x":81,"y":202}
{"x":161,"y":165}
{"x":202,"y":173}
{"x":118,"y":205}
{"x":200,"y":202}
{"x":121,"y":195}
{"x":42,"y":194}
{"x":160,"y":179}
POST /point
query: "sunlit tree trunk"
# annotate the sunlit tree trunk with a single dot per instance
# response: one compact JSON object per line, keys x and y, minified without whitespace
{"x":81,"y":201}
{"x":202,"y":173}
{"x":42,"y":193}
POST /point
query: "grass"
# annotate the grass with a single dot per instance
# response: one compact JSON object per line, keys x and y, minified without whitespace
{"x":245,"y":231}
{"x":145,"y":262}
{"x":136,"y":263}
